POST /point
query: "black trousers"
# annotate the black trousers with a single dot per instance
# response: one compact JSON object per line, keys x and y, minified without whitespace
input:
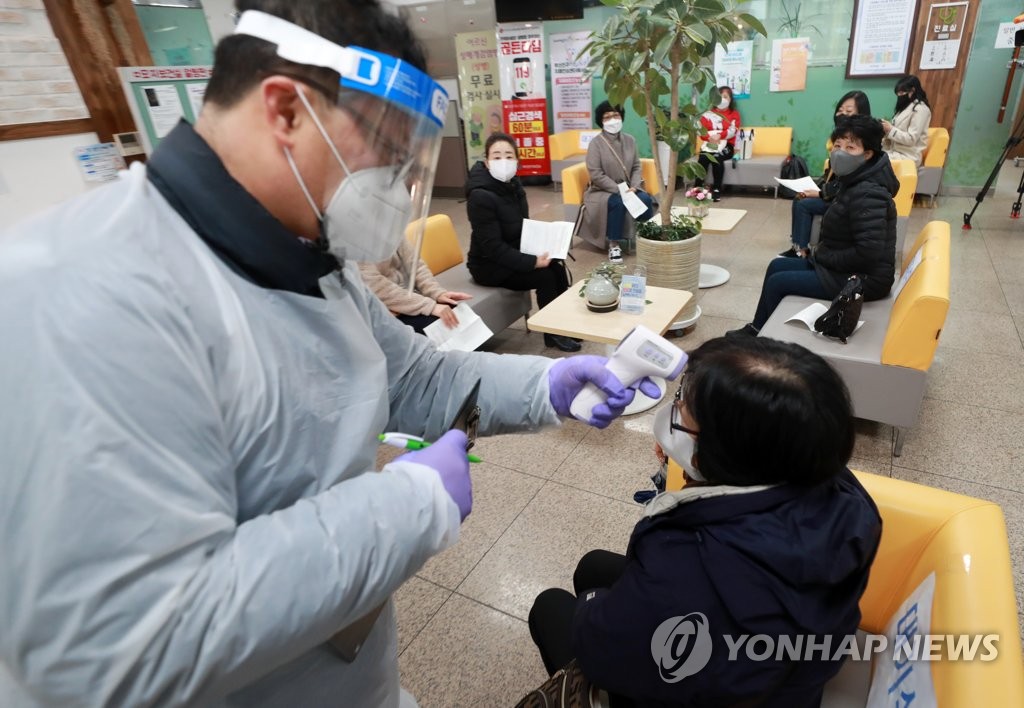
{"x":553,"y":610}
{"x":418,"y":322}
{"x":549,"y":282}
{"x":717,"y":168}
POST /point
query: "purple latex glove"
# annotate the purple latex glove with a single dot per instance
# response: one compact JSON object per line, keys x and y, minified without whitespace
{"x":567,"y":377}
{"x":448,"y":458}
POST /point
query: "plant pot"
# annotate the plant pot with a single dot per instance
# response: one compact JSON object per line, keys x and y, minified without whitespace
{"x":672,"y":264}
{"x":699,"y":211}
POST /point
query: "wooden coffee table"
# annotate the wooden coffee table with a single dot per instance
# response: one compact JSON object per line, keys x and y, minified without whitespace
{"x":568,"y":316}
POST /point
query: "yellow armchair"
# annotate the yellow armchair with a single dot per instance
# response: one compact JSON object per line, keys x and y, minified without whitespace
{"x":906,"y":173}
{"x":963,"y":541}
{"x":440,"y":249}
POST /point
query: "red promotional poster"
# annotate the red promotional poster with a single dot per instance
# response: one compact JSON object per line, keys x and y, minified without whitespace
{"x":523,"y":98}
{"x":526,"y":120}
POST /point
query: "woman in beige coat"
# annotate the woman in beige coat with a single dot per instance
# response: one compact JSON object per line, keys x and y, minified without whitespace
{"x":906,"y":136}
{"x":611,"y":160}
{"x":428,"y":301}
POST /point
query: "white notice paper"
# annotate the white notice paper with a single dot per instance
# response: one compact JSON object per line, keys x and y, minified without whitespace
{"x":812,"y":312}
{"x":1004,"y":37}
{"x":903,"y":668}
{"x":633,"y":205}
{"x":164,"y":105}
{"x":100,"y":162}
{"x":907,"y":272}
{"x":550,"y":237}
{"x":798,"y":185}
{"x":195,"y":97}
{"x":470,"y":333}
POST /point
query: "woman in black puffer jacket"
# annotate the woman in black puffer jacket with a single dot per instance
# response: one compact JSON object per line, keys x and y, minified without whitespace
{"x":496,"y":206}
{"x":858,"y":232}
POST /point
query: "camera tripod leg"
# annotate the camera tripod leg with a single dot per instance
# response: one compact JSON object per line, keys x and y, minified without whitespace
{"x":1015,"y":209}
{"x":1016,"y":137}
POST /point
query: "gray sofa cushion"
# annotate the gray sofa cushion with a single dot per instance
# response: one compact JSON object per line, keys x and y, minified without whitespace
{"x":497,"y":307}
{"x":887,"y":394}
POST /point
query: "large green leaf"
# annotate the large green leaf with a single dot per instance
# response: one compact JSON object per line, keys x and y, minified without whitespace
{"x":663,"y":47}
{"x":699,"y":33}
{"x":754,"y":24}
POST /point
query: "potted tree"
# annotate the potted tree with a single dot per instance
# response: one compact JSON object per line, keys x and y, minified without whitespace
{"x":671,"y":255}
{"x":664,"y":49}
{"x":655,"y":50}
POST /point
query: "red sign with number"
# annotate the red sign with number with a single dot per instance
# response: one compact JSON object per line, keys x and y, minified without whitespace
{"x":526,"y":120}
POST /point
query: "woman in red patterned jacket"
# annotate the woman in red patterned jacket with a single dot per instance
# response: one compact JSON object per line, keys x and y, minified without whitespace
{"x":721,"y":124}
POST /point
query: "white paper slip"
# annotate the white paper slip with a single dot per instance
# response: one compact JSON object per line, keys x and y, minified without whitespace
{"x":550,"y":237}
{"x":799,"y":185}
{"x":812,"y":312}
{"x":470,"y":333}
{"x":633,"y":205}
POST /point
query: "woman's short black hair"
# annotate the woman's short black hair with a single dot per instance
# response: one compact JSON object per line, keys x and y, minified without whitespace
{"x":606,"y":107}
{"x":866,"y":129}
{"x":241,"y":62}
{"x":860,"y":99}
{"x":909,"y":82}
{"x":498,"y":138}
{"x":768,"y":412}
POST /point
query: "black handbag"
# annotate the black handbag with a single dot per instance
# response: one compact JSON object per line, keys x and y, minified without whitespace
{"x":840,"y":320}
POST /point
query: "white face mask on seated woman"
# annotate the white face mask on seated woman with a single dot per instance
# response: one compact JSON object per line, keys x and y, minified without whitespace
{"x":613,"y":125}
{"x":502,"y":170}
{"x":679,"y":446}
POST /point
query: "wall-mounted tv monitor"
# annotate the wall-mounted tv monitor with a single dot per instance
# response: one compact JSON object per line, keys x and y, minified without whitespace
{"x":531,"y":10}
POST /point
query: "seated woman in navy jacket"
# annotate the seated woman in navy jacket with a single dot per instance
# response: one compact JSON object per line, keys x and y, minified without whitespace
{"x":771,"y":535}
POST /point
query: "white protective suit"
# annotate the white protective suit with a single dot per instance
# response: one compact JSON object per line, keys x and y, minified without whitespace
{"x":186,"y":511}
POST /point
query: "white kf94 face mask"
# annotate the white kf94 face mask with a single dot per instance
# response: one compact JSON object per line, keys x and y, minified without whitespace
{"x":613,"y":125}
{"x":503,"y":170}
{"x":365,"y":220}
{"x":679,"y":446}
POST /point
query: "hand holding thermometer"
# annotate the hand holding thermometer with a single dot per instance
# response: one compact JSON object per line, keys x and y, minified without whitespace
{"x":405,"y":441}
{"x":640,"y":353}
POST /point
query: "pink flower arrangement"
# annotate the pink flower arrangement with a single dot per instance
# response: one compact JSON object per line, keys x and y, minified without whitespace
{"x":696,"y":195}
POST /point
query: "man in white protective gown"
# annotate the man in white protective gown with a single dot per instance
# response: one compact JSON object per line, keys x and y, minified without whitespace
{"x":193,"y":377}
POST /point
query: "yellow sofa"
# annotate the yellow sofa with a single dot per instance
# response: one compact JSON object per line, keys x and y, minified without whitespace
{"x":575,"y":180}
{"x":885,"y":363}
{"x":963,"y":541}
{"x":772,"y":145}
{"x":497,"y":307}
{"x":933,"y":163}
{"x":566,"y":149}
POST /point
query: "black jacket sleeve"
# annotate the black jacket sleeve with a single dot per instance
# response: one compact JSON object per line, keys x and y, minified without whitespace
{"x":868,"y":214}
{"x":486,"y":234}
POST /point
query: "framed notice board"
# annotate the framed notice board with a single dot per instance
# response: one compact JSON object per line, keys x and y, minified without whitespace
{"x":160,"y":96}
{"x":881,"y":38}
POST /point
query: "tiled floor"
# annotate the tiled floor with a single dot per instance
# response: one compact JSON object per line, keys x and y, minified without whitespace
{"x":543,"y":500}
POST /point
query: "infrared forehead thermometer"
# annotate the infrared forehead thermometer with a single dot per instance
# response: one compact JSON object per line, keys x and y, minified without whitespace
{"x":641,"y":353}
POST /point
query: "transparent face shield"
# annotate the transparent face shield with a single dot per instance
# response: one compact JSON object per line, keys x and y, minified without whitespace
{"x":399,"y":114}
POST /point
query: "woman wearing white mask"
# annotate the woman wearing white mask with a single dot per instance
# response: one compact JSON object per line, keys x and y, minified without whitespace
{"x":721,"y":123}
{"x":612,"y":160}
{"x":771,"y":535}
{"x":496,"y":205}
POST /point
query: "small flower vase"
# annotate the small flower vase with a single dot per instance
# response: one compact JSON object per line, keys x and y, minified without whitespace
{"x":699,"y":209}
